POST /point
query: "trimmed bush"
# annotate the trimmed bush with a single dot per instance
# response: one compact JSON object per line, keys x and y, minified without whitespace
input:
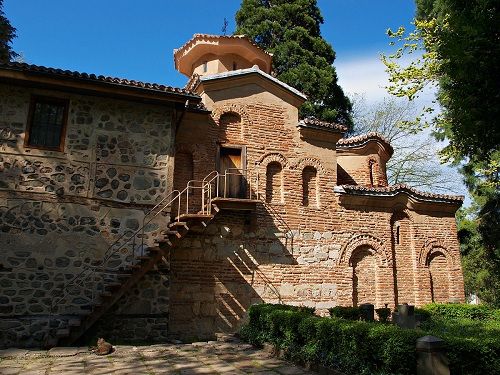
{"x":353,"y":347}
{"x":383,"y":314}
{"x":345,"y":312}
{"x":462,"y":311}
{"x":357,"y":347}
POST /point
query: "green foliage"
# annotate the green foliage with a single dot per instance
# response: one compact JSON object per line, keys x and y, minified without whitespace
{"x":480,"y":264}
{"x":290,"y":29}
{"x":349,"y":346}
{"x":7,"y":34}
{"x":355,"y":347}
{"x":422,"y":314}
{"x":455,"y":46}
{"x":383,"y":314}
{"x":461,"y":311}
{"x":345,"y":312}
{"x":470,"y":331}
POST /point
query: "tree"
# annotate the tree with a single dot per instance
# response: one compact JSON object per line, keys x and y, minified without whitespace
{"x":456,"y":44}
{"x":7,"y":34}
{"x":415,"y":161}
{"x":290,"y":29}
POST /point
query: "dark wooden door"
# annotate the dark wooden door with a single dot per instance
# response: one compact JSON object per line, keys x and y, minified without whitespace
{"x":230,"y":166}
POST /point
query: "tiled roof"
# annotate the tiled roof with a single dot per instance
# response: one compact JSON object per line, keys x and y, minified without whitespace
{"x":193,"y":82}
{"x":362,"y":139}
{"x":60,"y":73}
{"x":398,"y":189}
{"x":253,"y":70}
{"x":311,"y":122}
{"x":211,"y":36}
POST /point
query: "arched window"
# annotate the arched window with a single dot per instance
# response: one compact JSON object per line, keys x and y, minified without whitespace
{"x":230,"y":127}
{"x":274,"y":182}
{"x":438,"y":272}
{"x":310,"y":187}
{"x":364,"y":276}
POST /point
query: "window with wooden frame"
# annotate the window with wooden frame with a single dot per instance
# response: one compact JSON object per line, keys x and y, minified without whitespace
{"x":47,"y":123}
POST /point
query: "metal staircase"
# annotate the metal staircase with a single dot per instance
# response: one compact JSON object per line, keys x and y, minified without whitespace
{"x":136,"y":253}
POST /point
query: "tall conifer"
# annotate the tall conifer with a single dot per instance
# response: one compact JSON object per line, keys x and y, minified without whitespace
{"x":7,"y":33}
{"x":290,"y":29}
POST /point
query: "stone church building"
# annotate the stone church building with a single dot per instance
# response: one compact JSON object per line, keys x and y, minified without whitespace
{"x":142,"y":212}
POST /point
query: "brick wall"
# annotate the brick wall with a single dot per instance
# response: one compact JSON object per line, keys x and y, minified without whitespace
{"x":320,"y":255}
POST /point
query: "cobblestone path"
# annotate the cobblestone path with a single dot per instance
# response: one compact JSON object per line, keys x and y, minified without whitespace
{"x":198,"y":358}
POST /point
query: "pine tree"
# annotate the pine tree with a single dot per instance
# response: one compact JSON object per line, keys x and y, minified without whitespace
{"x":7,"y":34}
{"x":290,"y":29}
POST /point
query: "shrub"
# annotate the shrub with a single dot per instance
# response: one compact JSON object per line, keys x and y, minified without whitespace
{"x":462,"y":311}
{"x":422,"y":315}
{"x":357,"y":347}
{"x":349,"y":313}
{"x":383,"y":314}
{"x":353,"y":347}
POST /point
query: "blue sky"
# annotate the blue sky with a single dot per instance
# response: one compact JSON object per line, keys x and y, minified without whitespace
{"x":135,"y":39}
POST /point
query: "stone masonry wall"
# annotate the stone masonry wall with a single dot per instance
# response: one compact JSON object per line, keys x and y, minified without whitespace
{"x":61,"y":211}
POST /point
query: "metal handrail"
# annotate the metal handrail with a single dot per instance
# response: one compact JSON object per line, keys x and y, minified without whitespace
{"x":174,"y":200}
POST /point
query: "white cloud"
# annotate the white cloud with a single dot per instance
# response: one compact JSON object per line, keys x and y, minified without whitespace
{"x":365,"y":75}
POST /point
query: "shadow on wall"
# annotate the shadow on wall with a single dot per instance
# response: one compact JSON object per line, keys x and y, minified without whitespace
{"x":215,"y":274}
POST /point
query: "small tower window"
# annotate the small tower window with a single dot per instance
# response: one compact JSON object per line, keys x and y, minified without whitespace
{"x":205,"y":66}
{"x":371,"y":166}
{"x":235,"y":66}
{"x":397,"y":234}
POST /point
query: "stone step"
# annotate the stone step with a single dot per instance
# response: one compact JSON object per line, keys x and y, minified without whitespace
{"x":161,"y":241}
{"x":63,"y":332}
{"x":74,"y":322}
{"x":179,"y":224}
{"x":171,"y":233}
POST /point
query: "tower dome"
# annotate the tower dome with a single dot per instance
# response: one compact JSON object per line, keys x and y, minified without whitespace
{"x":210,"y":54}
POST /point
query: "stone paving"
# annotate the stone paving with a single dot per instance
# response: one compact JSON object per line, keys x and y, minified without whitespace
{"x":211,"y":357}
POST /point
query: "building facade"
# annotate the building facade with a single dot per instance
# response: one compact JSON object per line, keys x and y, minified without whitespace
{"x":143,"y":212}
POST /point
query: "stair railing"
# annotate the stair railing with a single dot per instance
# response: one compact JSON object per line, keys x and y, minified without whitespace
{"x":210,"y":189}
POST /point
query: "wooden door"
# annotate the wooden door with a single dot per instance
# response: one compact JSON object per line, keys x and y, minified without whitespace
{"x":230,"y":165}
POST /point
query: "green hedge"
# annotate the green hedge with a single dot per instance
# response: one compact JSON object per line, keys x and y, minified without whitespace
{"x":353,"y":347}
{"x":356,"y":347}
{"x":472,"y":335}
{"x":462,"y":311}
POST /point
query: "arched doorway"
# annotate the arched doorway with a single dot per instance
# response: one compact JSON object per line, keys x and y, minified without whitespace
{"x":364,"y":275}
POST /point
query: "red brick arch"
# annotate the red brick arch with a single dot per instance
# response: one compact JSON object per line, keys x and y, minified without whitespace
{"x":270,"y":157}
{"x":380,"y":250}
{"x":431,"y":246}
{"x":310,"y":162}
{"x":231,"y":108}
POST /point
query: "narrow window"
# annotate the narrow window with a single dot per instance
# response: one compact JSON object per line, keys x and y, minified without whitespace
{"x":309,"y":187}
{"x":371,"y":166}
{"x":274,"y":190}
{"x":205,"y":66}
{"x":235,"y":66}
{"x":47,"y":123}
